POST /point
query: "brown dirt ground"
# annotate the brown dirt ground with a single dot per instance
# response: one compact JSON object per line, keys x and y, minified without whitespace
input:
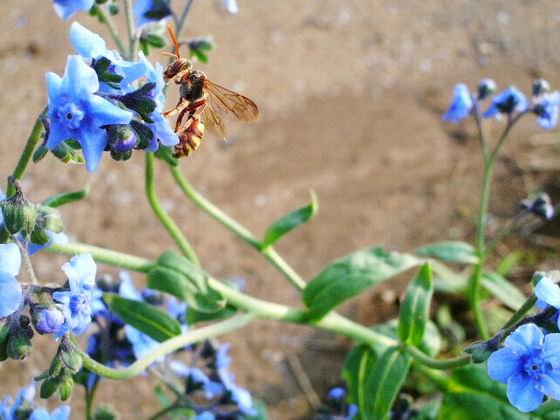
{"x":351,"y":94}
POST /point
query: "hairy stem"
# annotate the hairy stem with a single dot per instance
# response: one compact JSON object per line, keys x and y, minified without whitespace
{"x":240,"y":231}
{"x":167,"y":347}
{"x":108,"y":22}
{"x":131,"y":28}
{"x":27,"y":153}
{"x":438,"y":364}
{"x":163,"y":216}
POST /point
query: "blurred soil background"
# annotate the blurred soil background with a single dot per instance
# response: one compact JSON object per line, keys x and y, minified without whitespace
{"x":351,"y":94}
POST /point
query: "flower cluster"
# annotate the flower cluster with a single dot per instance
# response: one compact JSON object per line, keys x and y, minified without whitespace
{"x":510,"y":102}
{"x":529,"y":362}
{"x":105,"y":103}
{"x":54,"y":311}
{"x":208,"y":381}
{"x":24,"y":408}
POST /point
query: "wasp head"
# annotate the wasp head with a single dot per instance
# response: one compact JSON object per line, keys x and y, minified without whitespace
{"x":180,"y":65}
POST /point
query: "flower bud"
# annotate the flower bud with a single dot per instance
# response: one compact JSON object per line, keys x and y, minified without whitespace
{"x":19,"y":344}
{"x":140,"y":101}
{"x":481,"y":351}
{"x":46,"y":320}
{"x":40,"y":153}
{"x":40,"y":236}
{"x":50,"y":219}
{"x":66,"y":387}
{"x":486,"y":87}
{"x":71,"y":360}
{"x":540,"y":205}
{"x":122,"y":140}
{"x":19,"y":214}
{"x":67,"y":154}
{"x":540,"y":87}
{"x":49,"y":387}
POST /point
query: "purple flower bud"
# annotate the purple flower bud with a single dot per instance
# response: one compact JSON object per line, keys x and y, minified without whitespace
{"x":47,"y":320}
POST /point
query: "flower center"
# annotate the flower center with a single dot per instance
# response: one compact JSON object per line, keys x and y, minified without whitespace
{"x":71,"y":115}
{"x":535,"y":366}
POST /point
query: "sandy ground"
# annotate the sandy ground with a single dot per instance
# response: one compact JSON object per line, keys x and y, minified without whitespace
{"x":351,"y":94}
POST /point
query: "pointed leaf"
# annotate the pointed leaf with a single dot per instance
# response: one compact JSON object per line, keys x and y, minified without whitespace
{"x":415,"y":309}
{"x":449,"y":251}
{"x":505,"y":291}
{"x":289,"y":222}
{"x":351,"y":275}
{"x":144,"y":317}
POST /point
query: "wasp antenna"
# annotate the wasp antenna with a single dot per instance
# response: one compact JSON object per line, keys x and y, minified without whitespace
{"x":174,"y":40}
{"x":170,"y":54}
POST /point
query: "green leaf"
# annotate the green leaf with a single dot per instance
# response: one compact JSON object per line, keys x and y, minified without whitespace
{"x":176,"y":275}
{"x":144,"y":317}
{"x":449,"y":251}
{"x":351,"y":275}
{"x":431,"y":342}
{"x":289,"y":222}
{"x":358,"y":364}
{"x":505,"y":291}
{"x":415,"y":310}
{"x":447,"y":280}
{"x":470,"y":390}
{"x":383,"y":384}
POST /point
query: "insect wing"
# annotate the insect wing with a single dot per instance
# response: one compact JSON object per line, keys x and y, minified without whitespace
{"x":226,"y":101}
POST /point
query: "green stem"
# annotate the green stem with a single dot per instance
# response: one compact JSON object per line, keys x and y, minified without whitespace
{"x":263,"y":309}
{"x":27,"y":153}
{"x":183,"y":18}
{"x":108,"y":22}
{"x":474,"y":289}
{"x":438,"y":364}
{"x":167,"y":347}
{"x":439,"y":379}
{"x":163,"y":216}
{"x":520,"y":313}
{"x":232,"y":225}
{"x":112,"y":258}
{"x":67,"y":197}
{"x":131,"y":28}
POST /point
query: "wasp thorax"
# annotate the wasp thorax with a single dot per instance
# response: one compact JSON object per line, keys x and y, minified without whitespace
{"x":192,"y":89}
{"x":178,"y":66}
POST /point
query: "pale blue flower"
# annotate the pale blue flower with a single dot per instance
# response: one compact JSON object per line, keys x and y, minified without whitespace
{"x":507,"y":102}
{"x":55,"y":239}
{"x":231,"y":6}
{"x":205,"y":415}
{"x":461,"y":106}
{"x":239,"y":396}
{"x":61,"y":413}
{"x":24,"y":399}
{"x":66,"y":8}
{"x":547,"y":110}
{"x":10,"y":289}
{"x":75,"y":303}
{"x":142,"y":344}
{"x":75,"y":112}
{"x":197,"y":377}
{"x":528,"y":363}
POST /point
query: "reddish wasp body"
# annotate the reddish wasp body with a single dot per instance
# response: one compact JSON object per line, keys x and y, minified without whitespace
{"x":201,"y":102}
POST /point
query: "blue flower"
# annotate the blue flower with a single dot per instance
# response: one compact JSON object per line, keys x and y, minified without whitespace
{"x":148,"y":11}
{"x":528,"y":363}
{"x":160,"y":126}
{"x":75,"y":112}
{"x":205,"y":415}
{"x":238,"y":395}
{"x":61,"y":413}
{"x":540,"y":205}
{"x":66,"y":8}
{"x":142,"y":344}
{"x":461,"y":106}
{"x":75,"y":303}
{"x":336,"y":393}
{"x":546,"y":110}
{"x":198,"y":378}
{"x":92,"y":46}
{"x":10,"y":289}
{"x":506,"y":102}
{"x":548,"y":293}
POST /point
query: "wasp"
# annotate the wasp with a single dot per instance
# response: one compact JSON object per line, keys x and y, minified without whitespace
{"x":201,"y":103}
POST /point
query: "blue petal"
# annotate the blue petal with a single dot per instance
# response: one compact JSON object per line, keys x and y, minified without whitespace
{"x":502,"y":364}
{"x":551,"y":349}
{"x":40,"y":414}
{"x":205,"y":415}
{"x":61,"y":413}
{"x":549,"y":384}
{"x":66,"y":8}
{"x":11,"y":293}
{"x":10,"y":259}
{"x":461,"y":106}
{"x":525,"y":340}
{"x":79,"y":78}
{"x":522,"y":394}
{"x":104,"y":112}
{"x":81,"y":270}
{"x":93,"y":143}
{"x":548,"y":291}
{"x":127,"y":289}
{"x":86,"y":43}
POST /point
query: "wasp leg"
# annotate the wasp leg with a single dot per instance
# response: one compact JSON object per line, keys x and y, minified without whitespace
{"x":182,"y":104}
